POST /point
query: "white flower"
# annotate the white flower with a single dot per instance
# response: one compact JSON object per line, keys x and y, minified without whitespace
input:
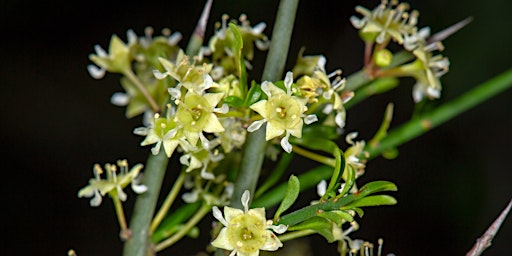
{"x":246,"y":232}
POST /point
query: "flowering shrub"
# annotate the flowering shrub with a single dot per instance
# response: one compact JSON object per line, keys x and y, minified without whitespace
{"x":199,"y":105}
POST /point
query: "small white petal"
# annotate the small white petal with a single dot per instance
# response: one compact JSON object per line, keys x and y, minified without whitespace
{"x":288,"y":81}
{"x":120,"y":99}
{"x":310,"y":119}
{"x":99,"y":51}
{"x":222,"y":110}
{"x":174,"y":38}
{"x":265,"y":88}
{"x":95,"y":72}
{"x":156,"y":148}
{"x":262,"y":45}
{"x":321,"y":188}
{"x":350,"y":137}
{"x":258,"y":29}
{"x":279,"y":229}
{"x":174,"y":92}
{"x":246,"y":196}
{"x":340,"y":119}
{"x":159,"y":75}
{"x":139,"y":188}
{"x":255,"y":125}
{"x":190,"y":197}
{"x":218,"y":215}
{"x":206,"y":175}
{"x":121,"y":193}
{"x":204,"y":141}
{"x":132,"y":37}
{"x":96,"y":200}
{"x":285,"y":144}
{"x":142,"y":131}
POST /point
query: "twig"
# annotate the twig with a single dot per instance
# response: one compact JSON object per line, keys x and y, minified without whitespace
{"x":484,"y":241}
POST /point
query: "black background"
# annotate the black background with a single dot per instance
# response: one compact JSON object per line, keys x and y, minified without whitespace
{"x":57,"y":122}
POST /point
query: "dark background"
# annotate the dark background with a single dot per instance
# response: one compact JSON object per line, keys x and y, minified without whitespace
{"x":57,"y":122}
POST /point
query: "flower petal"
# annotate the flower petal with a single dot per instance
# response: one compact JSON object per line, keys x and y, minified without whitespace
{"x":222,"y":240}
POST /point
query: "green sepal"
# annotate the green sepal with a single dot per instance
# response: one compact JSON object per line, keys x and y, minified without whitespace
{"x":321,"y":225}
{"x":292,"y":192}
{"x":171,"y":224}
{"x":338,"y":217}
{"x":234,"y":101}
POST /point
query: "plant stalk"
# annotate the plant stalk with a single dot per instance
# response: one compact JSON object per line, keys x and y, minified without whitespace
{"x":254,"y":150}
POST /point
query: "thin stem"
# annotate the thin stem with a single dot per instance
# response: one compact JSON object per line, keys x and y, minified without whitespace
{"x":133,"y":78}
{"x":145,"y":205}
{"x":313,"y":156}
{"x":168,"y":202}
{"x":443,"y":113}
{"x":296,"y":234}
{"x":198,"y":216}
{"x":124,"y":234}
{"x":254,"y":150}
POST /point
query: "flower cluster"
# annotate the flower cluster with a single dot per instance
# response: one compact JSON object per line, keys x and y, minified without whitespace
{"x":200,"y":104}
{"x":391,"y":21}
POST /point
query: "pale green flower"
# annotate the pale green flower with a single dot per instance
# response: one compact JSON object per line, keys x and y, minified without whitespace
{"x":282,"y":112}
{"x":246,"y":232}
{"x":194,"y":78}
{"x":162,"y":131}
{"x":114,"y":183}
{"x":388,"y":20}
{"x":118,"y":60}
{"x":197,"y":115}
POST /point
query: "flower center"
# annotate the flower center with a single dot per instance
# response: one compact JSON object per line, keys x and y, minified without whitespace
{"x":247,"y":233}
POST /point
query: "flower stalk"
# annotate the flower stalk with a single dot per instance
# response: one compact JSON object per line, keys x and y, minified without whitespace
{"x":274,"y":66}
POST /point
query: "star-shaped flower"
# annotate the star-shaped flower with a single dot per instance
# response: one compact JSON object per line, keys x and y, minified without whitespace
{"x":114,"y":183}
{"x":246,"y":232}
{"x":282,"y":112}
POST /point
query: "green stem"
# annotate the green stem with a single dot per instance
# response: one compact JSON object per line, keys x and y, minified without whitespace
{"x":441,"y":114}
{"x":168,"y":202}
{"x":145,"y":205}
{"x":198,"y":216}
{"x":133,"y":78}
{"x":313,"y":156}
{"x":296,"y":234}
{"x":124,"y":234}
{"x":254,"y":150}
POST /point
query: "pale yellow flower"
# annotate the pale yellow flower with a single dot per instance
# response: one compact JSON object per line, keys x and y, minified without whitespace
{"x":282,"y":112}
{"x":246,"y":232}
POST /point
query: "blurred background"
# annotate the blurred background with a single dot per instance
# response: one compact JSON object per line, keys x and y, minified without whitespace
{"x":57,"y":122}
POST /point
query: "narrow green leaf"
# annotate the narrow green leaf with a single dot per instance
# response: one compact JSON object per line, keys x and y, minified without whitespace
{"x":375,"y":200}
{"x":321,"y":225}
{"x":239,"y":57}
{"x":254,"y":94}
{"x":307,"y":180}
{"x":337,"y":217}
{"x":233,"y":101}
{"x":292,"y":192}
